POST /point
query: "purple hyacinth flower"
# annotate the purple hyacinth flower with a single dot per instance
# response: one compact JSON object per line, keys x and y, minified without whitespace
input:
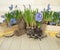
{"x":38,"y":17}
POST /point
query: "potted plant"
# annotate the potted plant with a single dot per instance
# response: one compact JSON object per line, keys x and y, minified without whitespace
{"x":56,"y":17}
{"x":8,"y":17}
{"x":13,"y":17}
{"x":28,"y":16}
{"x":59,"y":19}
{"x":20,"y":22}
{"x":47,"y":16}
{"x":51,"y":19}
{"x":53,"y":27}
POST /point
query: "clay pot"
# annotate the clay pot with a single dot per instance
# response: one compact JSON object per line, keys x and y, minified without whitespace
{"x":21,"y":27}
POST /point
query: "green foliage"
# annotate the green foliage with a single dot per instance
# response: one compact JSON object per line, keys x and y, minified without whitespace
{"x":8,"y":16}
{"x":17,"y":14}
{"x":34,"y":12}
{"x":28,"y":16}
{"x":55,"y":17}
{"x":14,"y":14}
{"x":47,"y":15}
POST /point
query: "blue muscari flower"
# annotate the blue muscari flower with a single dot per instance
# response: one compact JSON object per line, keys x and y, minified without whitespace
{"x":24,"y":6}
{"x":12,"y":21}
{"x":29,"y":6}
{"x":11,"y":7}
{"x":48,"y":7}
{"x":38,"y":17}
{"x":15,"y":6}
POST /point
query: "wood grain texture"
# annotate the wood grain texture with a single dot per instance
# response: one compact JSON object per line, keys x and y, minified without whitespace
{"x":25,"y":43}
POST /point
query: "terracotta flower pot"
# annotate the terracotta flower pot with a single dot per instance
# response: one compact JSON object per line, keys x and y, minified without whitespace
{"x":43,"y":27}
{"x":21,"y":27}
